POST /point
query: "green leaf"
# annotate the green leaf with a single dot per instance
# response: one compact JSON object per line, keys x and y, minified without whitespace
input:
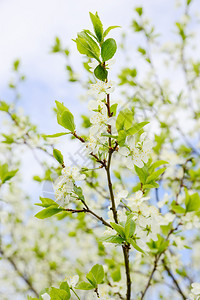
{"x":16,"y":65}
{"x":46,"y":202}
{"x":124,"y":120}
{"x":119,"y":229}
{"x":96,"y":275}
{"x":158,"y":246}
{"x":155,"y":175}
{"x":142,"y":50}
{"x":108,"y":49}
{"x":101,"y":73}
{"x":150,"y":185}
{"x":6,"y":175}
{"x":121,"y":137}
{"x":48,"y":212}
{"x":193,"y":203}
{"x":98,"y":27}
{"x":157,"y":164}
{"x":58,"y":156}
{"x":84,"y":286}
{"x":139,"y":10}
{"x":67,"y":120}
{"x":116,"y":274}
{"x":65,"y":286}
{"x":4,"y":106}
{"x":106,"y":32}
{"x":136,"y":246}
{"x":130,"y":227}
{"x":86,"y":45}
{"x":177,"y":208}
{"x":134,"y":129}
{"x":9,"y":175}
{"x":57,"y":294}
{"x":64,"y":116}
{"x":142,"y":173}
{"x":55,"y":135}
{"x":113,"y":109}
{"x":114,"y":239}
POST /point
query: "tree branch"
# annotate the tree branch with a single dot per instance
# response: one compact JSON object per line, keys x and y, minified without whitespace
{"x":174,"y":280}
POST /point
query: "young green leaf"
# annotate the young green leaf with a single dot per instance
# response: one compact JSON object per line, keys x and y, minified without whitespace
{"x":65,"y":117}
{"x":121,"y":137}
{"x":101,"y":73}
{"x":46,"y":202}
{"x":57,"y":294}
{"x":67,"y":120}
{"x":139,"y":10}
{"x":177,"y":208}
{"x":136,"y":246}
{"x":134,"y":129}
{"x":48,"y":212}
{"x":157,"y":164}
{"x":119,"y":229}
{"x":96,"y":274}
{"x":113,"y":109}
{"x":193,"y":203}
{"x":86,"y":45}
{"x":55,"y":135}
{"x":116,"y":274}
{"x":98,"y":27}
{"x":84,"y":286}
{"x":155,"y":175}
{"x":65,"y":286}
{"x":130,"y":227}
{"x":106,"y":32}
{"x":58,"y":156}
{"x":108,"y":49}
{"x":114,"y":239}
{"x":6,"y":175}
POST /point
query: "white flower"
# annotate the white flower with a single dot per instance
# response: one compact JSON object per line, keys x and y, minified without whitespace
{"x":136,"y":154}
{"x":73,"y":281}
{"x":100,"y":89}
{"x":64,"y":185}
{"x":138,"y":198}
{"x":45,"y":296}
{"x":72,"y":173}
{"x":120,"y":195}
{"x":195,"y":288}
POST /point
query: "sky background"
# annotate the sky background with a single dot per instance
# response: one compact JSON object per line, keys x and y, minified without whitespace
{"x":28,"y":29}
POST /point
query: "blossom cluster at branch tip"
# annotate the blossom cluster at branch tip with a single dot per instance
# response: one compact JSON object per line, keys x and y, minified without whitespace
{"x":64,"y":185}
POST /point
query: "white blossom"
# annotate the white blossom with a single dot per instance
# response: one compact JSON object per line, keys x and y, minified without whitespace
{"x":136,"y":153}
{"x":73,"y":281}
{"x":100,"y":89}
{"x":64,"y":185}
{"x":195,"y":291}
{"x":45,"y":296}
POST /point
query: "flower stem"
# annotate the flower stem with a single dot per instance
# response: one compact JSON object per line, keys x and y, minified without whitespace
{"x":75,"y":293}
